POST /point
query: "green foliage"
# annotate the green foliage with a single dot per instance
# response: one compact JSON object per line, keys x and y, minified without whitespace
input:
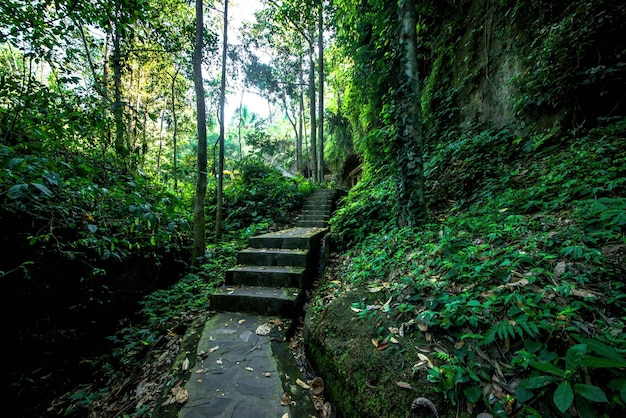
{"x":360,"y":214}
{"x":518,"y":260}
{"x":562,"y":66}
{"x":569,"y":373}
{"x":262,"y":196}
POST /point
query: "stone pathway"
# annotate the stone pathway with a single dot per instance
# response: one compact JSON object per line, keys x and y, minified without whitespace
{"x":245,"y":368}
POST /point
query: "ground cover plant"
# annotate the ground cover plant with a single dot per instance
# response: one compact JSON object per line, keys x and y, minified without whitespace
{"x":510,"y":300}
{"x":146,"y":347}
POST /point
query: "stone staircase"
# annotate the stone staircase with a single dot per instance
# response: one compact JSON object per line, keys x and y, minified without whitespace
{"x":273,"y":273}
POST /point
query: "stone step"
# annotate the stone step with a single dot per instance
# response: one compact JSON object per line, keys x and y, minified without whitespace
{"x":259,"y":300}
{"x":273,"y":257}
{"x":268,"y":276}
{"x":312,"y":223}
{"x":314,"y":214}
{"x":313,"y":217}
{"x":325,"y":205}
{"x":293,"y":238}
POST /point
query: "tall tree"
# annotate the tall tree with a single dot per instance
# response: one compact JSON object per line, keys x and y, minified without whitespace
{"x":199,"y":228}
{"x":320,"y":71}
{"x":410,"y":142}
{"x":220,"y":170}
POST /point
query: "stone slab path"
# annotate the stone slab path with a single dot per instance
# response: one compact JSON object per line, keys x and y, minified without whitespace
{"x":244,"y":366}
{"x":241,"y":375}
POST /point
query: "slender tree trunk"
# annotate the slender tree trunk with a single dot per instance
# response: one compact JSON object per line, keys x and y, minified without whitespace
{"x":299,"y":162}
{"x":220,"y":170}
{"x":312,"y":94}
{"x":161,"y":139}
{"x":239,"y":126}
{"x":199,"y":227}
{"x":175,"y":133}
{"x":410,"y":144}
{"x":120,"y":146}
{"x":320,"y":70}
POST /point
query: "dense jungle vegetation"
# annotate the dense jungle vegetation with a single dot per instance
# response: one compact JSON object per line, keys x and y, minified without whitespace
{"x":479,"y":261}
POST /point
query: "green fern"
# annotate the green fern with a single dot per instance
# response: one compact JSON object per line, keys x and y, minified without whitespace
{"x":508,"y":329}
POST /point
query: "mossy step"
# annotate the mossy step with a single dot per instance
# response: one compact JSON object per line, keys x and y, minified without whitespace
{"x":313,"y":217}
{"x":259,"y":300}
{"x":273,"y":257}
{"x":269,"y":276}
{"x":293,"y":238}
{"x":312,"y":223}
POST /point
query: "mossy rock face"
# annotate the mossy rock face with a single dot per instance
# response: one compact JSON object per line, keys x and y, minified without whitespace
{"x":361,"y":380}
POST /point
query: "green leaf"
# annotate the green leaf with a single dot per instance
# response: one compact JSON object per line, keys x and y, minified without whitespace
{"x":532,"y":346}
{"x":18,"y":191}
{"x":575,"y":356}
{"x":547,"y":367}
{"x":604,"y":350}
{"x":43,"y":189}
{"x":563,"y":396}
{"x":597,"y":362}
{"x":473,"y":393}
{"x":536,"y":382}
{"x":591,"y":392}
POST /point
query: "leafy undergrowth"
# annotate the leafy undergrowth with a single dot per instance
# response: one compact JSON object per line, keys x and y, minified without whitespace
{"x":511,"y":302}
{"x":135,"y":379}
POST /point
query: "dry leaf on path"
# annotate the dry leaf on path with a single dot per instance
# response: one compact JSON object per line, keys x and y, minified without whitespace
{"x":263,"y":329}
{"x":404,"y":385}
{"x":185,"y":364}
{"x":285,"y":400}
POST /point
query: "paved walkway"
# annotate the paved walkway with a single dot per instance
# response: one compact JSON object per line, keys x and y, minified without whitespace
{"x":245,"y":370}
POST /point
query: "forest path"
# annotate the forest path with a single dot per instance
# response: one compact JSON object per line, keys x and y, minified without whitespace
{"x":245,"y":367}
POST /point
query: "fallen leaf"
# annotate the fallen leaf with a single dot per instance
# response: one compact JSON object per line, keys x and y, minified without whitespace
{"x":214,"y":349}
{"x":185,"y":364}
{"x":582,"y":293}
{"x":560,"y":268}
{"x":394,"y":340}
{"x":285,"y":416}
{"x":382,"y":346}
{"x":263,"y":329}
{"x":375,"y":342}
{"x":250,"y":369}
{"x":285,"y":400}
{"x":425,"y":358}
{"x":356,"y":309}
{"x":404,"y":385}
{"x":422,"y":325}
{"x":180,"y":394}
{"x":267,"y":374}
{"x":326,"y":410}
{"x":302,"y":384}
{"x":317,"y":386}
{"x":241,"y":321}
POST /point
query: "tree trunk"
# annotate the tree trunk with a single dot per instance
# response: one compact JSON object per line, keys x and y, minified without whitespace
{"x":409,"y":150}
{"x":320,"y":67}
{"x":199,"y":227}
{"x":120,"y":146}
{"x":175,"y":133}
{"x":220,"y":169}
{"x":299,"y":159}
{"x":312,"y":94}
